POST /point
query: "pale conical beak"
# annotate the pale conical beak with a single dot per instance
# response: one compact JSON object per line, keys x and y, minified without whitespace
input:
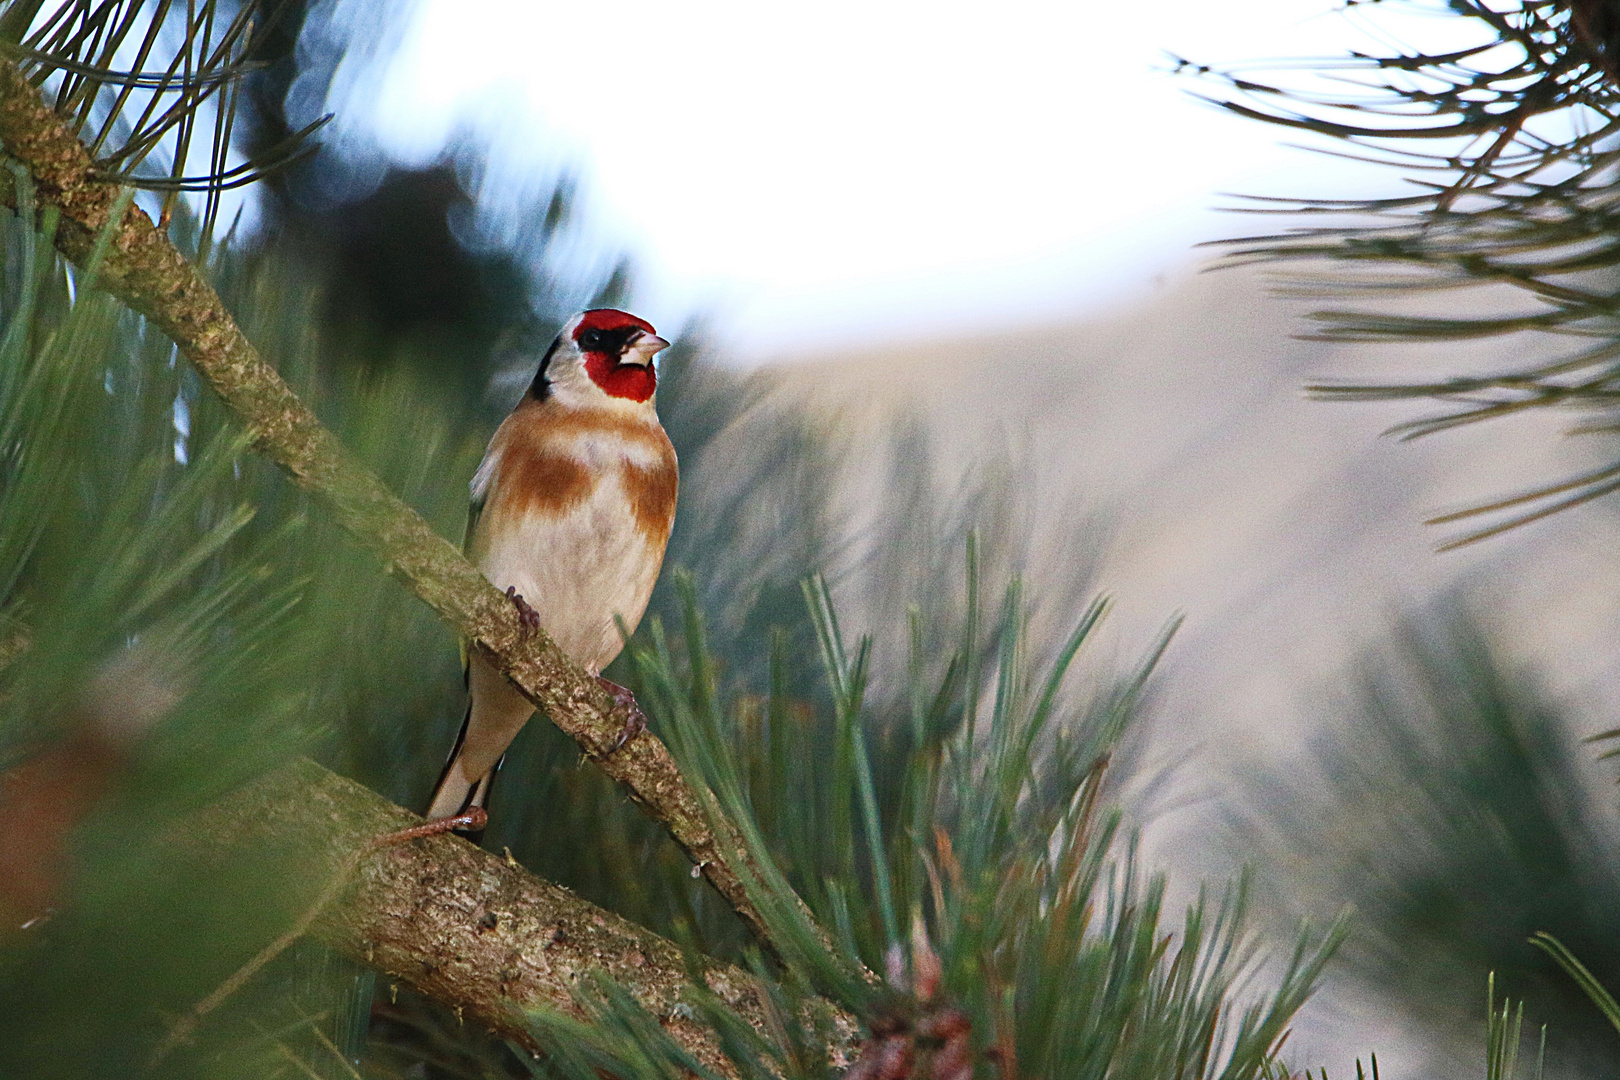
{"x":643,"y":349}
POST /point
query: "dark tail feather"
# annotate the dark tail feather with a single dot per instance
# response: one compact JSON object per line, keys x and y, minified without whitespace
{"x":447,"y":803}
{"x":455,"y":749}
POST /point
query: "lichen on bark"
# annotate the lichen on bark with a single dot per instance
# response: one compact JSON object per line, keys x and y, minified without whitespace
{"x":472,"y":930}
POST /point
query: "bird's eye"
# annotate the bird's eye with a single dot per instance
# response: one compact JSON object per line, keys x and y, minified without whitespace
{"x":592,"y":340}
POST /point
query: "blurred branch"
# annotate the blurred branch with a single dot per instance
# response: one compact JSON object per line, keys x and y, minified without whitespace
{"x":135,"y":262}
{"x":469,"y":929}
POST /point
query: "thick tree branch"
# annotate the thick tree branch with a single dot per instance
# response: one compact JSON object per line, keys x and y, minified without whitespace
{"x":143,"y":269}
{"x":471,"y":930}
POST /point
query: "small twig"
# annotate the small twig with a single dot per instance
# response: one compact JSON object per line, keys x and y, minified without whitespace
{"x":303,"y":1066}
{"x":332,"y":1046}
{"x":182,"y":1028}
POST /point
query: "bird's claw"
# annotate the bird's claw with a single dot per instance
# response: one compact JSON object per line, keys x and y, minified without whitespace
{"x":637,"y":721}
{"x":529,"y":617}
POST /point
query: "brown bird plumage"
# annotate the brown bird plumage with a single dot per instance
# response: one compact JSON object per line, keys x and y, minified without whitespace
{"x":571,"y":510}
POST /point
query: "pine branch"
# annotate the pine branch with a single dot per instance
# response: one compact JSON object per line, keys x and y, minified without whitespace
{"x":1507,"y":147}
{"x":471,"y":930}
{"x":143,"y":269}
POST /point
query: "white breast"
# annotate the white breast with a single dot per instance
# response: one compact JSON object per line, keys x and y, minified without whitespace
{"x":581,"y":568}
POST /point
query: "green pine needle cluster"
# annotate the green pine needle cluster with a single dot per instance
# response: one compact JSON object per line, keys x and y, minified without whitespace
{"x":1507,"y":141}
{"x":153,"y":87}
{"x":967,"y":846}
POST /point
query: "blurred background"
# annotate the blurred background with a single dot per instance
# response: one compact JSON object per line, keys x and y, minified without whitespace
{"x":935,"y":269}
{"x":961,"y":241}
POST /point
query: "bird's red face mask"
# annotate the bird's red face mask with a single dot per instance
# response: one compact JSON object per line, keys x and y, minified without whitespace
{"x":618,"y":349}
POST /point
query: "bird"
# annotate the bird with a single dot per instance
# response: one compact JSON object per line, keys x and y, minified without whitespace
{"x":571,"y":511}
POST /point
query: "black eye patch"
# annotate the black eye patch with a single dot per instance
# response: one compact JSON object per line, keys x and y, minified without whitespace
{"x":611,"y":342}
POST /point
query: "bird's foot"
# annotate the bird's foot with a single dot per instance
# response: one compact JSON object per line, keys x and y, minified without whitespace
{"x":529,"y":617}
{"x":637,"y":721}
{"x":472,"y":821}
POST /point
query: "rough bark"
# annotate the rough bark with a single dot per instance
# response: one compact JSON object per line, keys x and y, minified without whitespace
{"x":143,"y":269}
{"x":467,"y":928}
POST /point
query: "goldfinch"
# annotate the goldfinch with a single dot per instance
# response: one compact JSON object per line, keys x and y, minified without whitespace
{"x":571,"y":510}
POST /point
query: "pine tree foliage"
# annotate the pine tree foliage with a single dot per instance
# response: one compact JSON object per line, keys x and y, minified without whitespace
{"x":137,"y":79}
{"x":177,"y":618}
{"x":1452,"y":807}
{"x":1506,"y":138}
{"x":153,"y":603}
{"x":983,"y":871}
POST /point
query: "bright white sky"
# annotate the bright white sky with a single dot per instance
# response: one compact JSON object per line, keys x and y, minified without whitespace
{"x":862,"y":170}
